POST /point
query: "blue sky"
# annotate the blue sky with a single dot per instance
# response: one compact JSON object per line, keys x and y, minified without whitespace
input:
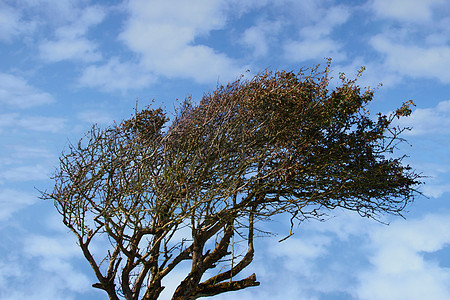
{"x":67,"y":64}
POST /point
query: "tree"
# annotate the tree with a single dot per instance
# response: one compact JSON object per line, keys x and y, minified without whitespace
{"x":280,"y":143}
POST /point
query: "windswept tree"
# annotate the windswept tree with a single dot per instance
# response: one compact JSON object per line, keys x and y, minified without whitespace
{"x":280,"y":143}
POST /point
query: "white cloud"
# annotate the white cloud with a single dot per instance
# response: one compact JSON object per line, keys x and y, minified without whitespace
{"x":17,"y":93}
{"x":330,"y":18}
{"x":115,"y":75}
{"x":44,"y":269}
{"x":299,"y":255}
{"x":95,"y":117}
{"x":45,"y":124}
{"x":437,"y":173}
{"x":435,"y":190}
{"x":7,"y":270}
{"x":355,"y":257}
{"x":62,"y":247}
{"x":413,"y":60}
{"x":315,"y":40}
{"x":34,"y":123}
{"x":71,"y":42}
{"x":430,"y":133}
{"x":7,"y":120}
{"x":240,"y":7}
{"x":260,"y":36}
{"x":313,"y":48}
{"x":164,"y":32}
{"x":30,"y":152}
{"x":12,"y":23}
{"x":406,"y":10}
{"x":373,"y":75}
{"x":54,"y":12}
{"x":312,"y":264}
{"x":66,"y":48}
{"x":195,"y":17}
{"x":172,"y":281}
{"x":9,"y":22}
{"x":399,"y":269}
{"x":12,"y":201}
{"x":429,"y":121}
{"x":25,"y":173}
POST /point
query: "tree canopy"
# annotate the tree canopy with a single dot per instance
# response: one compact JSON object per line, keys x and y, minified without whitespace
{"x":281,"y":143}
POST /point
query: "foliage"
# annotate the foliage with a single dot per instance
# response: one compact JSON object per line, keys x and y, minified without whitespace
{"x":280,"y":143}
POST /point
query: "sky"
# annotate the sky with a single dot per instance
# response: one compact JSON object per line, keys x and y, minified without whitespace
{"x":67,"y":64}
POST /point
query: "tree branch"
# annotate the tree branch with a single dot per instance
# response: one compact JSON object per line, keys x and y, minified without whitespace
{"x":223,"y":287}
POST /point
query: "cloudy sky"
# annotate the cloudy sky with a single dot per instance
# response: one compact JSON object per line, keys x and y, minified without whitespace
{"x":67,"y":64}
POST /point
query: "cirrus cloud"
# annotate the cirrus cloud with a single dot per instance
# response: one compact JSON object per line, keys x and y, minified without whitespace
{"x":12,"y":201}
{"x":16,"y":92}
{"x":413,"y":60}
{"x":406,"y":10}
